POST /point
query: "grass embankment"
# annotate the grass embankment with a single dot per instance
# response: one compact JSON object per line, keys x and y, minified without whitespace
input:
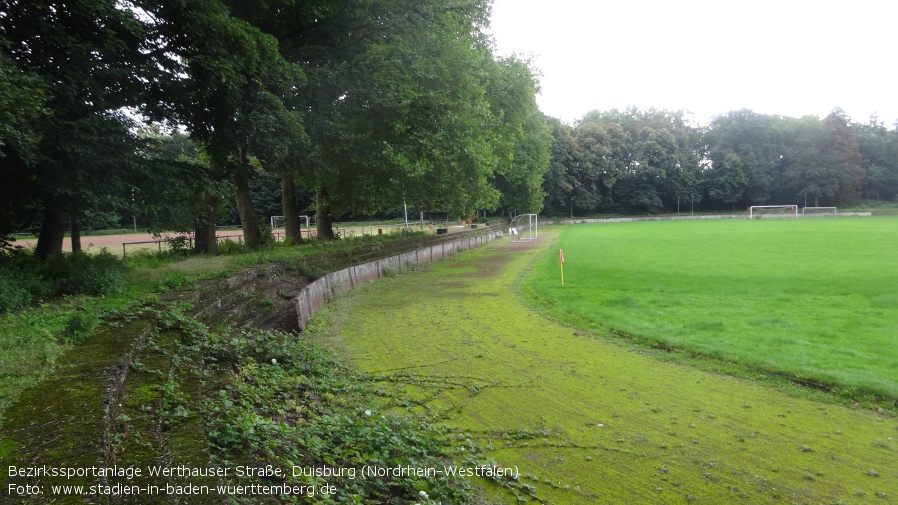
{"x":808,"y":298}
{"x":588,"y":421}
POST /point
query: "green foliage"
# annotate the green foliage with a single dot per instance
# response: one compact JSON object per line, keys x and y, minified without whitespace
{"x":82,"y":273}
{"x":78,"y":327}
{"x":654,"y":161}
{"x":84,"y":159}
{"x":287,"y":402}
{"x":26,"y":279}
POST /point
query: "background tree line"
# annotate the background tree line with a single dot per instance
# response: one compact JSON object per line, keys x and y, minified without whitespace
{"x":638,"y":161}
{"x":173,"y":109}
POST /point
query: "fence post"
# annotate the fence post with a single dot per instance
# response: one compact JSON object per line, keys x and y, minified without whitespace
{"x":124,"y":252}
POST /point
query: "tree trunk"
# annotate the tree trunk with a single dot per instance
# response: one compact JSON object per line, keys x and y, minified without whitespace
{"x":52,"y":233}
{"x":323,"y":219}
{"x":248,"y":217}
{"x":76,"y":232}
{"x":292,"y":224}
{"x":204,"y":237}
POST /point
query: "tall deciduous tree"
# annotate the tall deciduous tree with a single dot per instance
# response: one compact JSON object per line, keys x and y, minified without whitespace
{"x":91,"y":55}
{"x":557,"y":182}
{"x":825,"y":160}
{"x":521,"y":135}
{"x":229,"y":84}
{"x":756,"y":143}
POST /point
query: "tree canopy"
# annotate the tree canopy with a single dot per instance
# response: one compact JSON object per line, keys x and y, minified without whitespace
{"x":637,"y":161}
{"x":366,"y":103}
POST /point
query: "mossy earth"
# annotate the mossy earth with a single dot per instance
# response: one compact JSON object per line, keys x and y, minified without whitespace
{"x":586,"y":420}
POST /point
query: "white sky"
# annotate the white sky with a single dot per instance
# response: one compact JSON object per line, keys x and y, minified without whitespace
{"x":708,"y":57}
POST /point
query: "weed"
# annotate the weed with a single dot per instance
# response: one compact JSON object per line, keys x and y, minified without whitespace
{"x":78,"y":327}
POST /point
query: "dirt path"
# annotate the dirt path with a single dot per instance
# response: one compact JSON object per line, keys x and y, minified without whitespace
{"x":586,"y":421}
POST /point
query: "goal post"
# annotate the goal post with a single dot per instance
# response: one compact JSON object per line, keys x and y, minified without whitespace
{"x":524,"y":228}
{"x":819,"y":211}
{"x":758,"y":211}
{"x":278,"y":221}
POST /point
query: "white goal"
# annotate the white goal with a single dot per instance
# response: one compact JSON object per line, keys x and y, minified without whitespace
{"x":759,"y":211}
{"x":524,"y":228}
{"x":278,"y":221}
{"x":819,"y":211}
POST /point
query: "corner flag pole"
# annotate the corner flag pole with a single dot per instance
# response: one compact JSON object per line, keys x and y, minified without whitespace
{"x":561,"y":264}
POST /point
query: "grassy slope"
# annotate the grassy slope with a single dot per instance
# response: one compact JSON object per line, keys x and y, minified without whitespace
{"x":815,"y":298}
{"x":587,"y":421}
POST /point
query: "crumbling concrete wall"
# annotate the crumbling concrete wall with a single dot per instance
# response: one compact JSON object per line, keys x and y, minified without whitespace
{"x":316,"y":294}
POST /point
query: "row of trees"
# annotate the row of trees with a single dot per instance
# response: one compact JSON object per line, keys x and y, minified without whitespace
{"x":167,"y":109}
{"x":655,"y":160}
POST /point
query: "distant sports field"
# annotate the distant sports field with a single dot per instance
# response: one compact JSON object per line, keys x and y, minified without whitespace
{"x":815,"y":298}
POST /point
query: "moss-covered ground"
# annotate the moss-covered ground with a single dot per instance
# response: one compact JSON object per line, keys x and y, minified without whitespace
{"x":587,"y":420}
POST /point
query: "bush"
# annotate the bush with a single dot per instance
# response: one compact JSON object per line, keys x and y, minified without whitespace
{"x":228,"y":246}
{"x":78,"y":327}
{"x":82,"y":273}
{"x":25,"y":278}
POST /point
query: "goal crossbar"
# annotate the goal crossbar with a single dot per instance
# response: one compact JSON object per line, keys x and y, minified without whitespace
{"x":769,"y":210}
{"x":278,"y":221}
{"x":524,"y":228}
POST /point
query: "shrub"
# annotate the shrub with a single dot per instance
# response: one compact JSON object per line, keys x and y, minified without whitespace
{"x":78,"y":327}
{"x":25,"y":278}
{"x":180,"y":245}
{"x":228,"y":246}
{"x":82,"y":273}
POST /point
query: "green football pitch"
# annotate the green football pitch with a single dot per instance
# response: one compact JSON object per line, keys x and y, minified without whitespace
{"x":810,"y":298}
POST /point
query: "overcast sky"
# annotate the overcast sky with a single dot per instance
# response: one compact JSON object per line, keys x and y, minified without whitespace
{"x":787,"y":57}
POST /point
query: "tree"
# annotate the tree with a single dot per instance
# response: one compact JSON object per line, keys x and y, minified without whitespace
{"x":879,"y":151}
{"x":825,"y":161}
{"x":756,"y":143}
{"x":239,"y":96}
{"x":395,"y":102}
{"x":189,"y":204}
{"x":80,"y":153}
{"x":726,"y":180}
{"x":557,"y":182}
{"x":22,"y":98}
{"x":522,"y":137}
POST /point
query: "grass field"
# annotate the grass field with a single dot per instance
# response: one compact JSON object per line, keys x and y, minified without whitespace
{"x":584,"y":419}
{"x":813,"y":298}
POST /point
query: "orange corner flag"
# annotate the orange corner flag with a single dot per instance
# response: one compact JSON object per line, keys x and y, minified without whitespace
{"x":561,"y":264}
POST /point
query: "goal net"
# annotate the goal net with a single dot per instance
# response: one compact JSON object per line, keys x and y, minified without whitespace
{"x":278,"y":221}
{"x":818,"y":211}
{"x":524,"y":228}
{"x":759,"y":211}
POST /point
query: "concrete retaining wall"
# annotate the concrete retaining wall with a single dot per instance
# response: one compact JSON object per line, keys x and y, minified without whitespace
{"x":316,"y":294}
